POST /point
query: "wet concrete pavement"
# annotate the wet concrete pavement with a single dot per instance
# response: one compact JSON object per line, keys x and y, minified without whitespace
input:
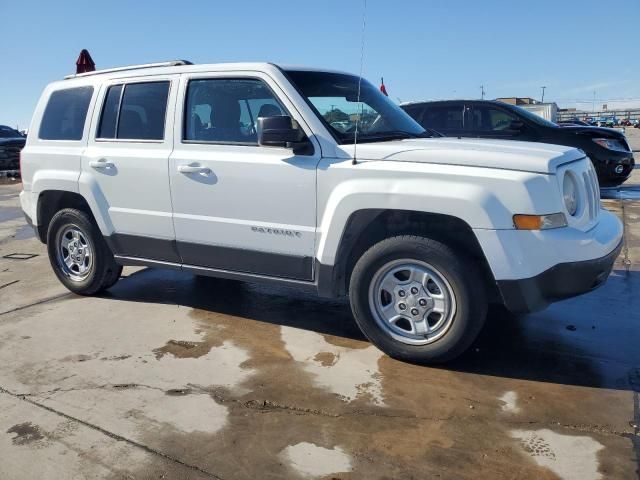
{"x":172,"y":376}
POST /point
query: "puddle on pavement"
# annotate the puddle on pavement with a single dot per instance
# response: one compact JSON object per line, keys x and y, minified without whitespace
{"x":10,"y":213}
{"x":26,"y":433}
{"x":326,"y":359}
{"x":186,"y":349}
{"x":78,"y":358}
{"x":568,"y":456}
{"x":24,"y":233}
{"x":178,"y":392}
{"x":263,"y":372}
{"x":115,"y":358}
{"x":625,"y":192}
{"x":311,"y":377}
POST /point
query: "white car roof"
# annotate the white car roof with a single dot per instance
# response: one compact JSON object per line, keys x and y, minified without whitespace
{"x":180,"y":66}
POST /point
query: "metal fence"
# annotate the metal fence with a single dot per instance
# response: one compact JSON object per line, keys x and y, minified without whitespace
{"x":633,"y":114}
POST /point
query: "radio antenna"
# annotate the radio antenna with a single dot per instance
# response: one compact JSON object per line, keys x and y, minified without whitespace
{"x":359,"y":117}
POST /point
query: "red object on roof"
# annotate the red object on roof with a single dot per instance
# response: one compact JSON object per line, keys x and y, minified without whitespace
{"x":85,"y":62}
{"x":383,"y":89}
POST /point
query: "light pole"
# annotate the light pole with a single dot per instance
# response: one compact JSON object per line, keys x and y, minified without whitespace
{"x":482,"y":91}
{"x":543,"y":88}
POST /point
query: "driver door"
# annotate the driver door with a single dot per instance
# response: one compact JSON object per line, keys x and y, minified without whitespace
{"x":239,"y":206}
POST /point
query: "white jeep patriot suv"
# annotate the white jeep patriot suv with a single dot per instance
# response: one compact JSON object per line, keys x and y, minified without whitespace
{"x":278,"y":174}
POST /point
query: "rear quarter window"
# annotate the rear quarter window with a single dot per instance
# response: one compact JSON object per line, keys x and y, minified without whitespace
{"x":65,"y":114}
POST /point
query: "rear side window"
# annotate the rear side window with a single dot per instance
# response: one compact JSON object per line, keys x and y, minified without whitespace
{"x":65,"y":114}
{"x":137,"y":113}
{"x":443,"y":118}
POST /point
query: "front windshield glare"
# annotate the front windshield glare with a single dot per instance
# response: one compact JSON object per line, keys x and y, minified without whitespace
{"x":334,"y":97}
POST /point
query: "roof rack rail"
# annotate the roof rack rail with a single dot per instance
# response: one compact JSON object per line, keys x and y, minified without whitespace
{"x":172,"y":63}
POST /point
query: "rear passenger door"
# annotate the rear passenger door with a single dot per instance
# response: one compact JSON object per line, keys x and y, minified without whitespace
{"x":124,"y":168}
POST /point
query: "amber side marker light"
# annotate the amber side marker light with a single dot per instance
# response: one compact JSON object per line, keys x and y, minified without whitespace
{"x":539,"y":222}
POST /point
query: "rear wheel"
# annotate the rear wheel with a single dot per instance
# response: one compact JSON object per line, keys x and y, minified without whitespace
{"x":418,"y":300}
{"x":78,"y":253}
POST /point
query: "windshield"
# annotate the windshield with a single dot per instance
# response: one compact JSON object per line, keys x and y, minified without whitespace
{"x":334,"y":97}
{"x":8,"y":132}
{"x":535,"y":118}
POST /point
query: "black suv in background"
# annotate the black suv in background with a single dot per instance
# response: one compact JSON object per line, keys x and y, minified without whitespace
{"x":608,"y":149}
{"x":11,"y":142}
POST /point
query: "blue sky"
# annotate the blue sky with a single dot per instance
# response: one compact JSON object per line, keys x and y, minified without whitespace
{"x":424,"y":49}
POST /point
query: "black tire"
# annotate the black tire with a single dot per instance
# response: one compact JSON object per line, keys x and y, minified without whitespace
{"x":103,"y":271}
{"x":463,"y":277}
{"x":113,"y":276}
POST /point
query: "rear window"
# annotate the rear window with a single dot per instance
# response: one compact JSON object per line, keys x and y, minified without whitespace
{"x":65,"y":114}
{"x":137,"y":113}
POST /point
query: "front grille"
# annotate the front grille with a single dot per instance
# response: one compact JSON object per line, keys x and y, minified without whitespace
{"x":593,"y":192}
{"x":9,"y":157}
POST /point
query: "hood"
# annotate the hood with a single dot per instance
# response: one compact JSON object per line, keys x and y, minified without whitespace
{"x":20,"y":141}
{"x":508,"y":155}
{"x":593,"y":132}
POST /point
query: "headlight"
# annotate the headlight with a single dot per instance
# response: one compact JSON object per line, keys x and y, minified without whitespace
{"x":570,"y":193}
{"x":611,"y":144}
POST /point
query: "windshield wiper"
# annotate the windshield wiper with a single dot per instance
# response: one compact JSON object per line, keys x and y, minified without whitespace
{"x":403,"y":133}
{"x":391,"y":135}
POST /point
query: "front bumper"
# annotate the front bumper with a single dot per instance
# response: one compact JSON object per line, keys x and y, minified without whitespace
{"x":562,"y":281}
{"x":613,"y":168}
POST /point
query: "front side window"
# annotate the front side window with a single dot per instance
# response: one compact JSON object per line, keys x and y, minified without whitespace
{"x":65,"y":114}
{"x":136,"y":113}
{"x":537,"y":119}
{"x":226,"y":110}
{"x":334,"y":97}
{"x":491,"y":119}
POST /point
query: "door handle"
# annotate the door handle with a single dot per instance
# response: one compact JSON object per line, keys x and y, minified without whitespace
{"x":102,"y":163}
{"x":194,"y":169}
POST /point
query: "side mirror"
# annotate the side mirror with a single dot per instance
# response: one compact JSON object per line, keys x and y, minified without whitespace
{"x":280,"y":131}
{"x":516,"y":125}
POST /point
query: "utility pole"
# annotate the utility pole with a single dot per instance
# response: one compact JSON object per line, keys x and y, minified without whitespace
{"x":543,"y":88}
{"x":482,"y":91}
{"x":593,"y":104}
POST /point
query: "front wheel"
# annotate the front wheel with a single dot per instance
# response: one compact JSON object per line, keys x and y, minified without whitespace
{"x":417,"y":299}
